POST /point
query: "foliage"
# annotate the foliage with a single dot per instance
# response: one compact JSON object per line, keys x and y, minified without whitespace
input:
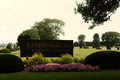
{"x":49,"y":29}
{"x":14,"y":46}
{"x":93,"y":46}
{"x":82,"y":60}
{"x":37,"y":58}
{"x":17,"y":48}
{"x":76,"y":67}
{"x":75,"y":60}
{"x":96,"y":11}
{"x":81,"y":39}
{"x":111,"y":37}
{"x":104,"y":59}
{"x":9,"y":46}
{"x":24,"y":60}
{"x":108,"y":46}
{"x":66,"y":58}
{"x":57,"y":60}
{"x":89,"y":43}
{"x":98,"y":48}
{"x":10,"y":63}
{"x":80,"y":46}
{"x":28,"y":34}
{"x":96,"y":40}
{"x":76,"y":44}
{"x":86,"y":47}
{"x":5,"y":51}
{"x":13,"y":49}
{"x":78,"y":60}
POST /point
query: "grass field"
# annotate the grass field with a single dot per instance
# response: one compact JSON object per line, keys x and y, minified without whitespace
{"x":62,"y":76}
{"x":77,"y":52}
{"x":81,"y":52}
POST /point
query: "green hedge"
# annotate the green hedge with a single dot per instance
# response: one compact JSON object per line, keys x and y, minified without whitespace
{"x":104,"y":59}
{"x":5,"y":51}
{"x":10,"y":63}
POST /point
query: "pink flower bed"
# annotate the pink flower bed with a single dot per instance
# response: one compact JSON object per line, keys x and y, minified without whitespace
{"x":64,"y":67}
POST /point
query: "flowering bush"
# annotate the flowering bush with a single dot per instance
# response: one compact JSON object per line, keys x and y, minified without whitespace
{"x":36,"y":59}
{"x":64,"y":67}
{"x":66,"y":59}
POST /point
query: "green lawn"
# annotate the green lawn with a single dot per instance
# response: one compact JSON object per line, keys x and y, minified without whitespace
{"x":77,"y":52}
{"x":62,"y":76}
{"x":81,"y":52}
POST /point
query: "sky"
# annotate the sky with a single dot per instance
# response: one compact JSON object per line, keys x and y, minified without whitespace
{"x":19,"y":15}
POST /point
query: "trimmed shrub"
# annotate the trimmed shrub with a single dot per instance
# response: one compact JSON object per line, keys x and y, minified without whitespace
{"x":104,"y":59}
{"x":66,"y":59}
{"x":37,"y":59}
{"x":10,"y":63}
{"x":108,"y":46}
{"x":98,"y":48}
{"x":5,"y":51}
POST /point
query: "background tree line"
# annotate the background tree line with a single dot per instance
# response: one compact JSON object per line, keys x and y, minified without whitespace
{"x":110,"y":37}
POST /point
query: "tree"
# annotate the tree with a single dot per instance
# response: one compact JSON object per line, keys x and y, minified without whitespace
{"x":9,"y":46}
{"x":28,"y":34}
{"x":96,"y":40}
{"x":111,"y":38}
{"x":81,"y":39}
{"x":96,"y":11}
{"x":76,"y":44}
{"x":49,"y":29}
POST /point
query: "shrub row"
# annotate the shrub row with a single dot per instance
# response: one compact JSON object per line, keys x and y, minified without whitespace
{"x":104,"y":59}
{"x":8,"y":50}
{"x":39,"y":59}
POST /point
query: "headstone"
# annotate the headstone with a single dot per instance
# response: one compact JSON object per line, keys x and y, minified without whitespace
{"x":49,"y":48}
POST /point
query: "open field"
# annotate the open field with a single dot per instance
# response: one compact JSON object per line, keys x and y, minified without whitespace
{"x":77,"y":52}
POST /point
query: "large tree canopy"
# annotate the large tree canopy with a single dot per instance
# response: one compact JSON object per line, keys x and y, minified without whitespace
{"x":49,"y":29}
{"x":27,"y":34}
{"x":111,"y":37}
{"x":96,"y":11}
